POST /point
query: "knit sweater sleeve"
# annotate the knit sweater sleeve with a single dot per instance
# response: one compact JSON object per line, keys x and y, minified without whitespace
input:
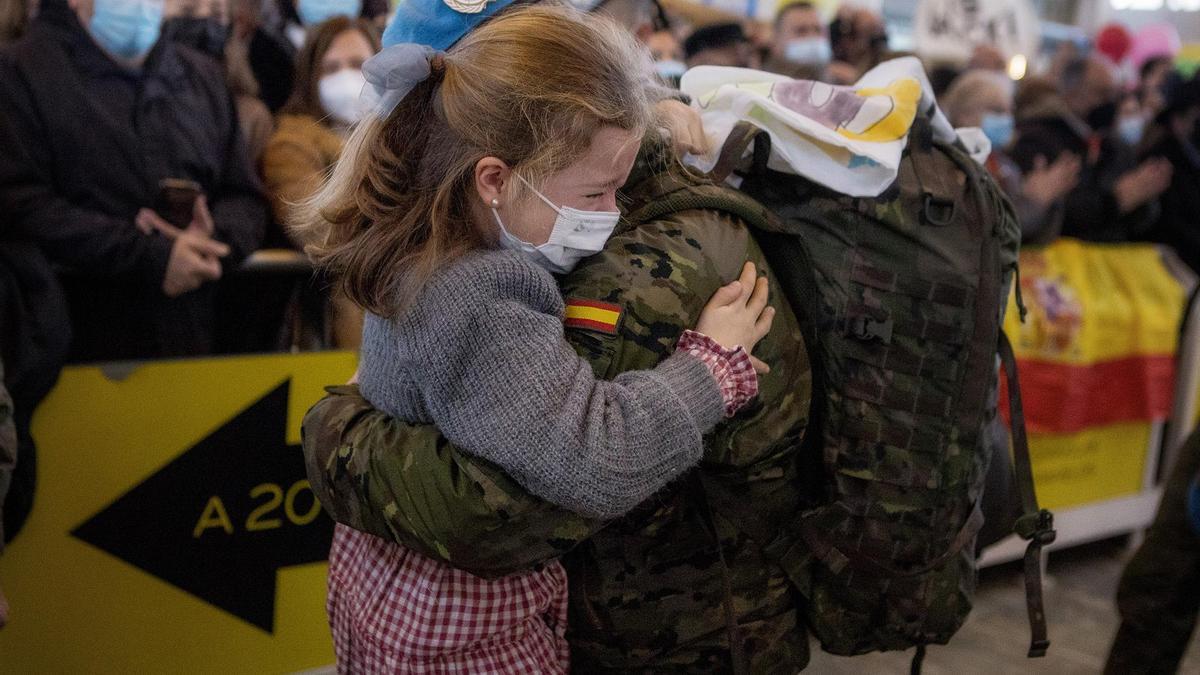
{"x":498,"y":378}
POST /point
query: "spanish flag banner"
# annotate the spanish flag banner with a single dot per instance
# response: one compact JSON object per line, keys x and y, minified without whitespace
{"x":1097,"y":363}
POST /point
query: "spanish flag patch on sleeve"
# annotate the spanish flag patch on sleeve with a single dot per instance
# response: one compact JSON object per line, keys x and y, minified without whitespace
{"x":601,"y":317}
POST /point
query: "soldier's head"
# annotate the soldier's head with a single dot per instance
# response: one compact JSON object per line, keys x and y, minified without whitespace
{"x":534,"y":112}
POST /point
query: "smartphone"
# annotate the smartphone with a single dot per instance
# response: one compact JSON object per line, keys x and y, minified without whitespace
{"x":176,"y":200}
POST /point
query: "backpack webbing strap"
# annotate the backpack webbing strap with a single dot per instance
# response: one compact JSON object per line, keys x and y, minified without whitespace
{"x":737,"y":650}
{"x":819,"y":541}
{"x":1035,"y":525}
{"x":740,"y":138}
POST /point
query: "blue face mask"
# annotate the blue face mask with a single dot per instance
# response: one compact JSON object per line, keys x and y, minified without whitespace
{"x":670,"y":70}
{"x":126,"y":29}
{"x":313,"y":12}
{"x":1131,"y":129}
{"x":998,"y":128}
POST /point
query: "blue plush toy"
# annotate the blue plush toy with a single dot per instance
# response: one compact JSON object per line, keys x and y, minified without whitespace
{"x":440,"y":23}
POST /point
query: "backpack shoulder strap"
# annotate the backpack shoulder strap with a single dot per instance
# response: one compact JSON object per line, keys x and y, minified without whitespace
{"x":1035,"y":525}
{"x":743,"y":135}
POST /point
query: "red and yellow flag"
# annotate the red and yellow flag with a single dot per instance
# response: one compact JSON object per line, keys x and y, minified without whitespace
{"x":601,"y":317}
{"x":1096,"y":360}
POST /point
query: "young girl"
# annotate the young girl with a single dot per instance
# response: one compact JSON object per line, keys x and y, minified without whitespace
{"x":499,"y":164}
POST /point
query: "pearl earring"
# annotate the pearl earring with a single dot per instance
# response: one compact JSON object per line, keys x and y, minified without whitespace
{"x":495,"y":203}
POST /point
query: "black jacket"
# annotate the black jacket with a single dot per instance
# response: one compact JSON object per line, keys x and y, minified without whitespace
{"x":1179,"y":224}
{"x":86,"y":145}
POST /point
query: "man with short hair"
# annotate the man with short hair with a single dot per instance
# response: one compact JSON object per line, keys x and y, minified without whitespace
{"x":723,"y":44}
{"x":801,"y":48}
{"x":116,"y":128}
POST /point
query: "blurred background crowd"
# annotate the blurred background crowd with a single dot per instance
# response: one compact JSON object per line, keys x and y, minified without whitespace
{"x":146,"y":175}
{"x":148,"y":182}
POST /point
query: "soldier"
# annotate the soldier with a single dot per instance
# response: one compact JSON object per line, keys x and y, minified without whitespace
{"x":648,"y":591}
{"x":1157,"y":597}
{"x":664,"y":587}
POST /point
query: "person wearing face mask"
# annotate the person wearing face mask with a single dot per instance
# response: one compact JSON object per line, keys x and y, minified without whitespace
{"x":654,"y":278}
{"x":103,"y":112}
{"x":312,"y":127}
{"x":1117,"y":196}
{"x":984,"y":99}
{"x":481,"y":171}
{"x":801,"y":48}
{"x":311,"y":133}
{"x":280,"y":31}
{"x":667,"y":52}
{"x":207,"y":26}
{"x":1172,"y":137}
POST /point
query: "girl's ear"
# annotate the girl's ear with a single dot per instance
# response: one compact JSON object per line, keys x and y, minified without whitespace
{"x":491,"y":178}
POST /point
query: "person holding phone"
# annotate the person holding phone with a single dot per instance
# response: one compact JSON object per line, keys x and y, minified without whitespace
{"x":102,"y":111}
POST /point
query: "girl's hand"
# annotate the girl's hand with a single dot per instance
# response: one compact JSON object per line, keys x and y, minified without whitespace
{"x":738,"y":315}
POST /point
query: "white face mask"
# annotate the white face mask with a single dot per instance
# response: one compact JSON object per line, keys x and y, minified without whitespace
{"x":808,"y":51}
{"x":576,"y":235}
{"x":339,"y":94}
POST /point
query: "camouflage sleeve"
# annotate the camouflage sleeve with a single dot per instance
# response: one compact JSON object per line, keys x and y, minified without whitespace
{"x":8,"y":449}
{"x":406,"y":483}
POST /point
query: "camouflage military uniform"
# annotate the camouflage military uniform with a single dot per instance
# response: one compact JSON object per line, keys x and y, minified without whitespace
{"x":647,"y":591}
{"x":1157,"y":597}
{"x":8,"y":448}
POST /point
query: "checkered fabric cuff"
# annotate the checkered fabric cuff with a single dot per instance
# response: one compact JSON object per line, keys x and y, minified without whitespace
{"x":731,"y":367}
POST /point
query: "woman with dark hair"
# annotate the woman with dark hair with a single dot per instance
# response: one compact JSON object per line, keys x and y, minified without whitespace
{"x":324,"y":104}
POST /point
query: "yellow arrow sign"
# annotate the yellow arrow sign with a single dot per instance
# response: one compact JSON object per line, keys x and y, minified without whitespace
{"x":173,"y":530}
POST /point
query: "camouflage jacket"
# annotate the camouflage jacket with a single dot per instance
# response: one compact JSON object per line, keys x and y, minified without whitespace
{"x":646,"y":590}
{"x":8,"y":448}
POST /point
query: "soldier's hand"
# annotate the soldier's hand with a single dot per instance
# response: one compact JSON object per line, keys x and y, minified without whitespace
{"x":738,"y":315}
{"x":682,"y":123}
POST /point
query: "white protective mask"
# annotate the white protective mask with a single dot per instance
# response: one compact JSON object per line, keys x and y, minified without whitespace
{"x":808,"y":51}
{"x":576,"y":235}
{"x":339,"y":95}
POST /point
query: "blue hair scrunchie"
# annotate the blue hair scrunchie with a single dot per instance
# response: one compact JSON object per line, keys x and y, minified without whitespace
{"x":393,"y":73}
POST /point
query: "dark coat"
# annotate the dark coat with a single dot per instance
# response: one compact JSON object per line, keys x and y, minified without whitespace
{"x":1179,"y":224}
{"x":88,"y":141}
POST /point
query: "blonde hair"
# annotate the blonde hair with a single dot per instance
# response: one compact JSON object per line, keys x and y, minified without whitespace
{"x":531,"y":87}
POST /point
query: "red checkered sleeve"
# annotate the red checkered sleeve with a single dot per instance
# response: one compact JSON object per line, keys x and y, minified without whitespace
{"x":731,"y":367}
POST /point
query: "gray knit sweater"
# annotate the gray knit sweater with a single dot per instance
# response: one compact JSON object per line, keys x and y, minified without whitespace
{"x":481,"y":355}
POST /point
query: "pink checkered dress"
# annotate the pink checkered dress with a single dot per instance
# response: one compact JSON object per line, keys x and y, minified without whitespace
{"x":393,"y":610}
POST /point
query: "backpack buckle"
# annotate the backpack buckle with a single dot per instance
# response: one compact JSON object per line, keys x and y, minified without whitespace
{"x":867,"y":328}
{"x":937,"y":212}
{"x":1037,"y":527}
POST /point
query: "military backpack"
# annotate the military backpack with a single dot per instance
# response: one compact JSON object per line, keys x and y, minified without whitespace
{"x":901,"y":298}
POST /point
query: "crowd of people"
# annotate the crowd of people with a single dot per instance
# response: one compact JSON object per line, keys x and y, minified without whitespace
{"x":149,"y":148}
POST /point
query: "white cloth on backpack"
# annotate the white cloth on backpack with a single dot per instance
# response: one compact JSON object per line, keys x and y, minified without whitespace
{"x":846,"y":138}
